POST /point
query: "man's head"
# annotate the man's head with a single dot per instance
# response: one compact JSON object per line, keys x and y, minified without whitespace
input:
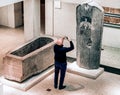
{"x":60,"y":41}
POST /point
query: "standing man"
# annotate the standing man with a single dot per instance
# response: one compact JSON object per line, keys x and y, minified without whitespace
{"x":61,"y":61}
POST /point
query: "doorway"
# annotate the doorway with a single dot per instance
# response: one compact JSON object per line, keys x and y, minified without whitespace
{"x":42,"y":16}
{"x":19,"y":14}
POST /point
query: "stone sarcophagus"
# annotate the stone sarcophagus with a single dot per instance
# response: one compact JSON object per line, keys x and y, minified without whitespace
{"x":29,"y":59}
{"x":89,"y":34}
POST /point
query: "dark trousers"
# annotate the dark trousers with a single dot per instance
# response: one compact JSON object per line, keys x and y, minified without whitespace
{"x":59,"y":67}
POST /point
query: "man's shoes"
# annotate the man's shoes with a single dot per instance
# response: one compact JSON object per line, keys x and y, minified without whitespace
{"x":55,"y":87}
{"x":60,"y":88}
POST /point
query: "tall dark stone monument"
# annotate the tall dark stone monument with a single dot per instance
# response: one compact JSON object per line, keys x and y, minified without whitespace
{"x":89,"y":35}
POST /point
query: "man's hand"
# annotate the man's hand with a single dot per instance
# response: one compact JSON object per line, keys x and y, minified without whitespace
{"x":69,"y":39}
{"x":65,"y":37}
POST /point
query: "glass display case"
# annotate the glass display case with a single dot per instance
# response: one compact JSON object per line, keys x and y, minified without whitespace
{"x":112,"y":17}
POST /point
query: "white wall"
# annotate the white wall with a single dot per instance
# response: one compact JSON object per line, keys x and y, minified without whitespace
{"x":65,"y":20}
{"x":31,"y":19}
{"x":7,"y":16}
{"x":11,"y":15}
{"x":49,"y":17}
{"x":111,"y":37}
{"x":4,"y":15}
{"x":65,"y":24}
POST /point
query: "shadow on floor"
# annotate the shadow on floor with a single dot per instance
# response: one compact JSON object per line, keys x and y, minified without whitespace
{"x":74,"y":87}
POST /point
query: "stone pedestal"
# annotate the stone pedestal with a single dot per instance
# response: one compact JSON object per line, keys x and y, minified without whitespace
{"x":89,"y":35}
{"x":93,"y":74}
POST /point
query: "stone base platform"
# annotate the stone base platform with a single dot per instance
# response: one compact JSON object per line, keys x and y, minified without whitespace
{"x":29,"y":82}
{"x":75,"y":69}
{"x":1,"y":89}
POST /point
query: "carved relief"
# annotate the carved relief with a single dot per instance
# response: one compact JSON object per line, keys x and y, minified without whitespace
{"x":89,"y":35}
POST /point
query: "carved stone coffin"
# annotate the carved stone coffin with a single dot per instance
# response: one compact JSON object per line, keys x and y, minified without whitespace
{"x":89,"y":35}
{"x":29,"y":59}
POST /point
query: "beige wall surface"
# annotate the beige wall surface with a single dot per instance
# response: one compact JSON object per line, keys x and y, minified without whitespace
{"x":111,"y":37}
{"x":7,"y":16}
{"x":4,"y":15}
{"x":31,"y":19}
{"x":65,"y":20}
{"x":49,"y":17}
{"x":11,"y":15}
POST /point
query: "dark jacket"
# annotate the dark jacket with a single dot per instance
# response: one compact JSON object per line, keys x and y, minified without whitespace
{"x":60,"y":52}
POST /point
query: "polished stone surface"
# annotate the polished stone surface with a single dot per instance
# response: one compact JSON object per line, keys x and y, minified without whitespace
{"x":76,"y":85}
{"x":110,"y":56}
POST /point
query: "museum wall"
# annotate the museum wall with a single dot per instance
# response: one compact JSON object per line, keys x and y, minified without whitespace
{"x":65,"y":24}
{"x":49,"y":17}
{"x":111,"y":37}
{"x":11,"y":15}
{"x":65,"y":20}
{"x":7,"y":16}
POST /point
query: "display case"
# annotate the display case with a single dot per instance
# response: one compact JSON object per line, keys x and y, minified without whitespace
{"x":112,"y":17}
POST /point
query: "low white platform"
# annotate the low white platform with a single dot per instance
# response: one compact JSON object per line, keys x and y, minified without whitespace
{"x":75,"y":69}
{"x":1,"y":88}
{"x":30,"y":82}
